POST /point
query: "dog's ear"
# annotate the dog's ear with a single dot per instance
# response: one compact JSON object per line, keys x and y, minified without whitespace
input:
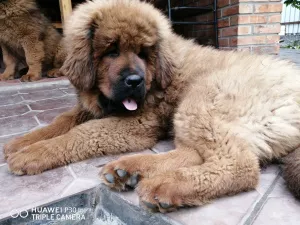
{"x":78,"y":66}
{"x":164,"y":67}
{"x":79,"y":34}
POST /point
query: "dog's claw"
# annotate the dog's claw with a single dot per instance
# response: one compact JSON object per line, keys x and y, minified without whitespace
{"x":165,"y":205}
{"x":150,"y":205}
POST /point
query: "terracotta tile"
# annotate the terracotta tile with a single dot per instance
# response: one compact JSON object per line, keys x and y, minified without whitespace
{"x":13,"y":110}
{"x":7,"y":99}
{"x":17,"y":124}
{"x":283,"y":211}
{"x":225,"y":211}
{"x":54,"y":103}
{"x":20,"y":191}
{"x":47,"y":116}
{"x":164,"y":146}
{"x":46,"y":94}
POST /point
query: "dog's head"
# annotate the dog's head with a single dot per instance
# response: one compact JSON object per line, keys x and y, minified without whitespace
{"x":117,"y":47}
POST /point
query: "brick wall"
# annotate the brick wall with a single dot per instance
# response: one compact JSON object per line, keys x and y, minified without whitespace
{"x":245,"y":25}
{"x":250,"y":25}
{"x":203,"y":34}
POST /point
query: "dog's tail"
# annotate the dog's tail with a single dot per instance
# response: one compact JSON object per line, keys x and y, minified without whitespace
{"x":291,"y":171}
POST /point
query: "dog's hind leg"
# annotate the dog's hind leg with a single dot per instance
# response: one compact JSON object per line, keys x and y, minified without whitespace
{"x":11,"y":64}
{"x":291,"y":172}
{"x":58,"y":61}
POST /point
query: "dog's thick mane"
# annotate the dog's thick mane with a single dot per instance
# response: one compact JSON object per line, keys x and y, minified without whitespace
{"x":79,"y":66}
{"x":79,"y":24}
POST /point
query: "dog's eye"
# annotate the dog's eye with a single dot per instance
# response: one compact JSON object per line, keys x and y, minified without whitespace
{"x":112,"y":52}
{"x":143,"y":53}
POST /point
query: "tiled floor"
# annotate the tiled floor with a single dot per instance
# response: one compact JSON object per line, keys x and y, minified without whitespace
{"x":24,"y":108}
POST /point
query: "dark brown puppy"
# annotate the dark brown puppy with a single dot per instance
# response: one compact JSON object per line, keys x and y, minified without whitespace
{"x":27,"y":36}
{"x":134,"y":78}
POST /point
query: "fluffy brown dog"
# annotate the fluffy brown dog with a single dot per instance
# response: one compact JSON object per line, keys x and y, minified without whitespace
{"x":27,"y":36}
{"x":135,"y":78}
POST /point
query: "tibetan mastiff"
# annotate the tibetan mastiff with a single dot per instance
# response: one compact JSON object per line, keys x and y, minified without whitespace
{"x":136,"y":80}
{"x":27,"y":37}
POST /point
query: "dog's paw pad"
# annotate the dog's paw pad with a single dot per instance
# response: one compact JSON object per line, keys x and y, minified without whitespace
{"x":133,"y":181}
{"x":109,"y":178}
{"x":121,"y":173}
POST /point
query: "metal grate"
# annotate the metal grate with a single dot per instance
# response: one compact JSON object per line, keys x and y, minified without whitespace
{"x":290,"y":19}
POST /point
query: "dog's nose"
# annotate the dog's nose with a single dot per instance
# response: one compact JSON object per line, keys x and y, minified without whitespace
{"x":133,"y":81}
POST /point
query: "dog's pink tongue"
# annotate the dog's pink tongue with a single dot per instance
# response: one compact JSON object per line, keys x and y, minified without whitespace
{"x":130,"y":104}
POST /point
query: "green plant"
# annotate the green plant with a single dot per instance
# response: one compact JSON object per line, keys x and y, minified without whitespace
{"x":293,"y":45}
{"x":294,"y":3}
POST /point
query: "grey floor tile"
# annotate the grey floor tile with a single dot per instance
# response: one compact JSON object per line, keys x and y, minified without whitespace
{"x":70,"y":91}
{"x":280,"y":190}
{"x":130,"y":196}
{"x":37,"y":89}
{"x":279,"y":211}
{"x":267,"y":177}
{"x":45,"y":94}
{"x":7,"y":99}
{"x":8,"y":94}
{"x":19,"y":191}
{"x":17,"y":124}
{"x":54,"y":103}
{"x":13,"y":110}
{"x":224,"y":211}
{"x":47,"y":116}
{"x":79,"y":185}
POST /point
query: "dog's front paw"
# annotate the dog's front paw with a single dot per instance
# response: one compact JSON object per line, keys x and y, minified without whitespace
{"x":4,"y":77}
{"x":162,"y":193}
{"x":15,"y":145}
{"x":30,"y":77}
{"x":121,"y":174}
{"x":54,"y":73}
{"x":33,"y":159}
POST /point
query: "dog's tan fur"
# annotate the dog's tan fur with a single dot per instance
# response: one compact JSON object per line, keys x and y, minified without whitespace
{"x":229,"y":110}
{"x":27,"y":36}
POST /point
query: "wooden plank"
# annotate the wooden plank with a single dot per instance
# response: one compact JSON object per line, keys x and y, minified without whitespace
{"x":65,"y":9}
{"x":57,"y":25}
